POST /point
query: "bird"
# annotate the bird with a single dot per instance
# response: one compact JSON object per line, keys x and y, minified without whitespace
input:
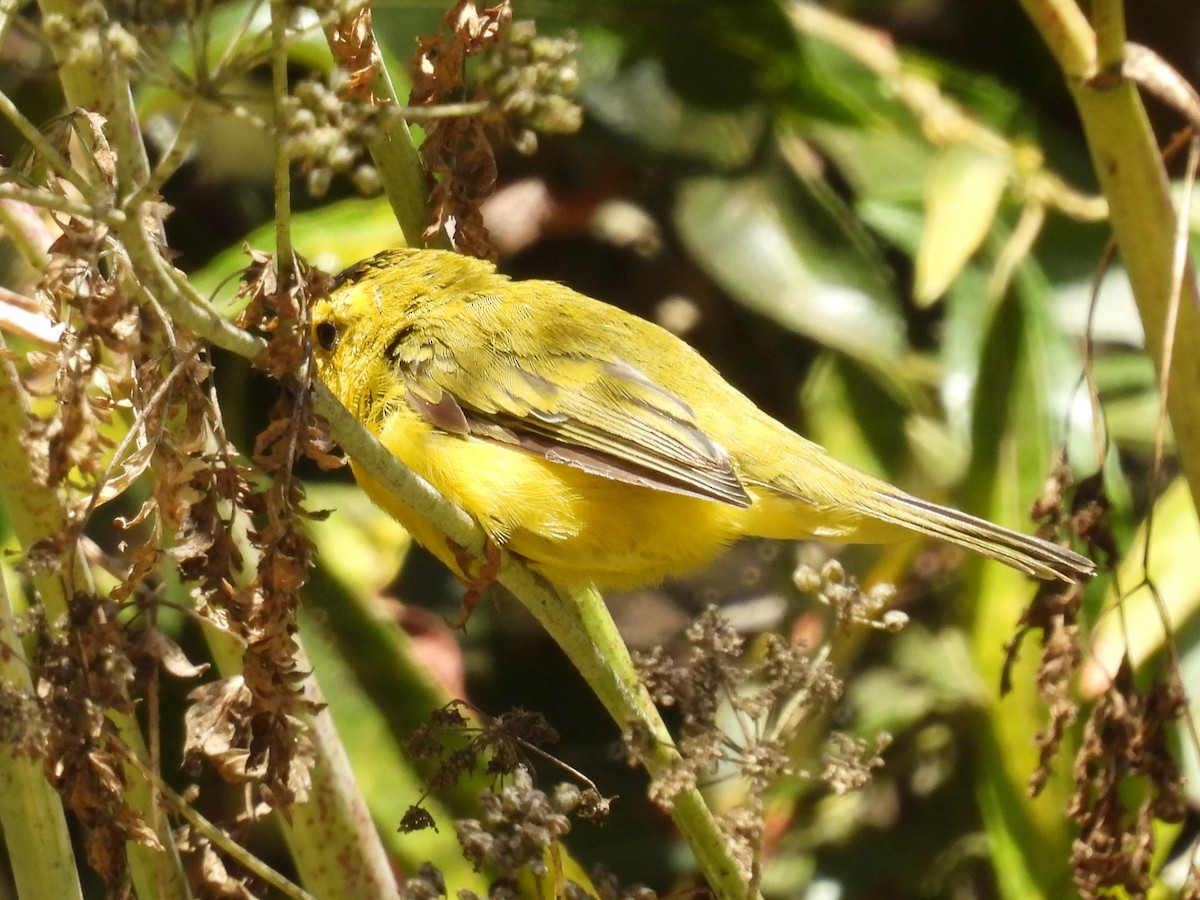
{"x":596,"y":445}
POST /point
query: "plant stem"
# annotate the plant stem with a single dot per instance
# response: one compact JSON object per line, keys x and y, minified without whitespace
{"x":1108,"y":18}
{"x":1066,"y":31}
{"x":579,"y":623}
{"x":333,"y":842}
{"x":394,"y":152}
{"x":31,"y":814}
{"x":1128,"y":165}
{"x":280,"y":10}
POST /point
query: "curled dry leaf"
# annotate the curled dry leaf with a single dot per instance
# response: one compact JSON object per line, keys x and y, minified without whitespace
{"x":456,"y":153}
{"x":171,"y":655}
{"x":208,"y":867}
{"x":213,"y":728}
{"x":1125,"y":754}
{"x":352,"y":42}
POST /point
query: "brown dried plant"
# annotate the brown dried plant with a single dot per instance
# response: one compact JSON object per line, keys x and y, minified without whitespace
{"x":125,"y":410}
{"x":1126,"y":775}
{"x":739,"y":712}
{"x":522,"y":87}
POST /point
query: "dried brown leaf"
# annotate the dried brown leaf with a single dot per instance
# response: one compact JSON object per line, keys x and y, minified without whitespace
{"x":171,"y":656}
{"x":1126,"y":777}
{"x":208,"y":867}
{"x":457,"y":153}
{"x":215,"y":726}
{"x":352,"y":42}
{"x":83,"y":672}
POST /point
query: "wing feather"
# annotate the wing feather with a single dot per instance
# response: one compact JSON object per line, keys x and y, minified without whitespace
{"x":589,"y":410}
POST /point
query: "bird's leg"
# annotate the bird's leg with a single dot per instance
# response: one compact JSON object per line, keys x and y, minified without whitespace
{"x":477,"y":576}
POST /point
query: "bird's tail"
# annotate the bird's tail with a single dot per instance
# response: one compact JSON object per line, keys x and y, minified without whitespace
{"x":1026,"y":553}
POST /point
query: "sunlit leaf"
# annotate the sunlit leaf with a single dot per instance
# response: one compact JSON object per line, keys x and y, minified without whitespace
{"x":836,"y":396}
{"x":767,"y":242}
{"x":880,"y":165}
{"x":331,"y":237}
{"x":1163,"y":592}
{"x":1026,"y":374}
{"x":962,"y":196}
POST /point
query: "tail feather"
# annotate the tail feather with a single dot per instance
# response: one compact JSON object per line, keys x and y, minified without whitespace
{"x":1026,"y":553}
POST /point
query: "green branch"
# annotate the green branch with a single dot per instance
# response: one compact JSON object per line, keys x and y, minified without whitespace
{"x":393,"y":152}
{"x":280,"y":13}
{"x":580,"y":624}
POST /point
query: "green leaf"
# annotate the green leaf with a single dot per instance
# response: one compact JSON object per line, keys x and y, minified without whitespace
{"x":771,"y":243}
{"x":1137,"y":629}
{"x":331,"y":237}
{"x":714,"y":55}
{"x":639,"y":105}
{"x":962,"y":196}
{"x":1027,"y":371}
{"x":847,"y":414}
{"x":889,"y":165}
{"x":1128,"y":388}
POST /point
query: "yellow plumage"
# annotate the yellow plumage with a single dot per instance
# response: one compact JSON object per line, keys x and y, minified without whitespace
{"x":595,"y":444}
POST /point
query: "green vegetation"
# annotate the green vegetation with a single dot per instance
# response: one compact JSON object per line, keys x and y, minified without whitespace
{"x":223,"y":672}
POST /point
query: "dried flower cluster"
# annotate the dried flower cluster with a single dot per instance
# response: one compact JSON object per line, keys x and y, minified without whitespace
{"x":523,"y":85}
{"x":329,"y":132}
{"x":90,"y":36}
{"x":1055,"y":610}
{"x":495,"y":747}
{"x":766,"y":696}
{"x":850,"y":603}
{"x":1125,"y":752}
{"x":531,"y":79}
{"x":85,"y":670}
{"x":1126,"y":778}
{"x":128,"y":400}
{"x":520,"y":826}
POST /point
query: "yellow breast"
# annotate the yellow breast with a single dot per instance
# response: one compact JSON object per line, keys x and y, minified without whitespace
{"x":573,"y":527}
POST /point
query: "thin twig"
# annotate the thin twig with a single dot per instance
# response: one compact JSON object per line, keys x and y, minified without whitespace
{"x":214,"y":834}
{"x":88,"y":212}
{"x":280,"y":12}
{"x":41,"y":146}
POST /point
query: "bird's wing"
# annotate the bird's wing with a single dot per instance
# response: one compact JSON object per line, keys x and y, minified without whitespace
{"x":580,"y":406}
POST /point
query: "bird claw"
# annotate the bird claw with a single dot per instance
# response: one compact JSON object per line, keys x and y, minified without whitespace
{"x":478,"y":578}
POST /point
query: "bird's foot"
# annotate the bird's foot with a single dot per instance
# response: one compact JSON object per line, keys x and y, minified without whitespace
{"x":477,"y":576}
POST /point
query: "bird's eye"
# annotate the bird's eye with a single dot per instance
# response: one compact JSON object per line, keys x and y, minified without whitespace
{"x":327,"y":335}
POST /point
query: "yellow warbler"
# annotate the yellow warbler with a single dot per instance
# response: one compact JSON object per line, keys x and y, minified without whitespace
{"x":596,"y":445}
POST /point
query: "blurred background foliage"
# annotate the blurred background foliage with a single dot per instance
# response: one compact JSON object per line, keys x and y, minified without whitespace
{"x":877,"y":219}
